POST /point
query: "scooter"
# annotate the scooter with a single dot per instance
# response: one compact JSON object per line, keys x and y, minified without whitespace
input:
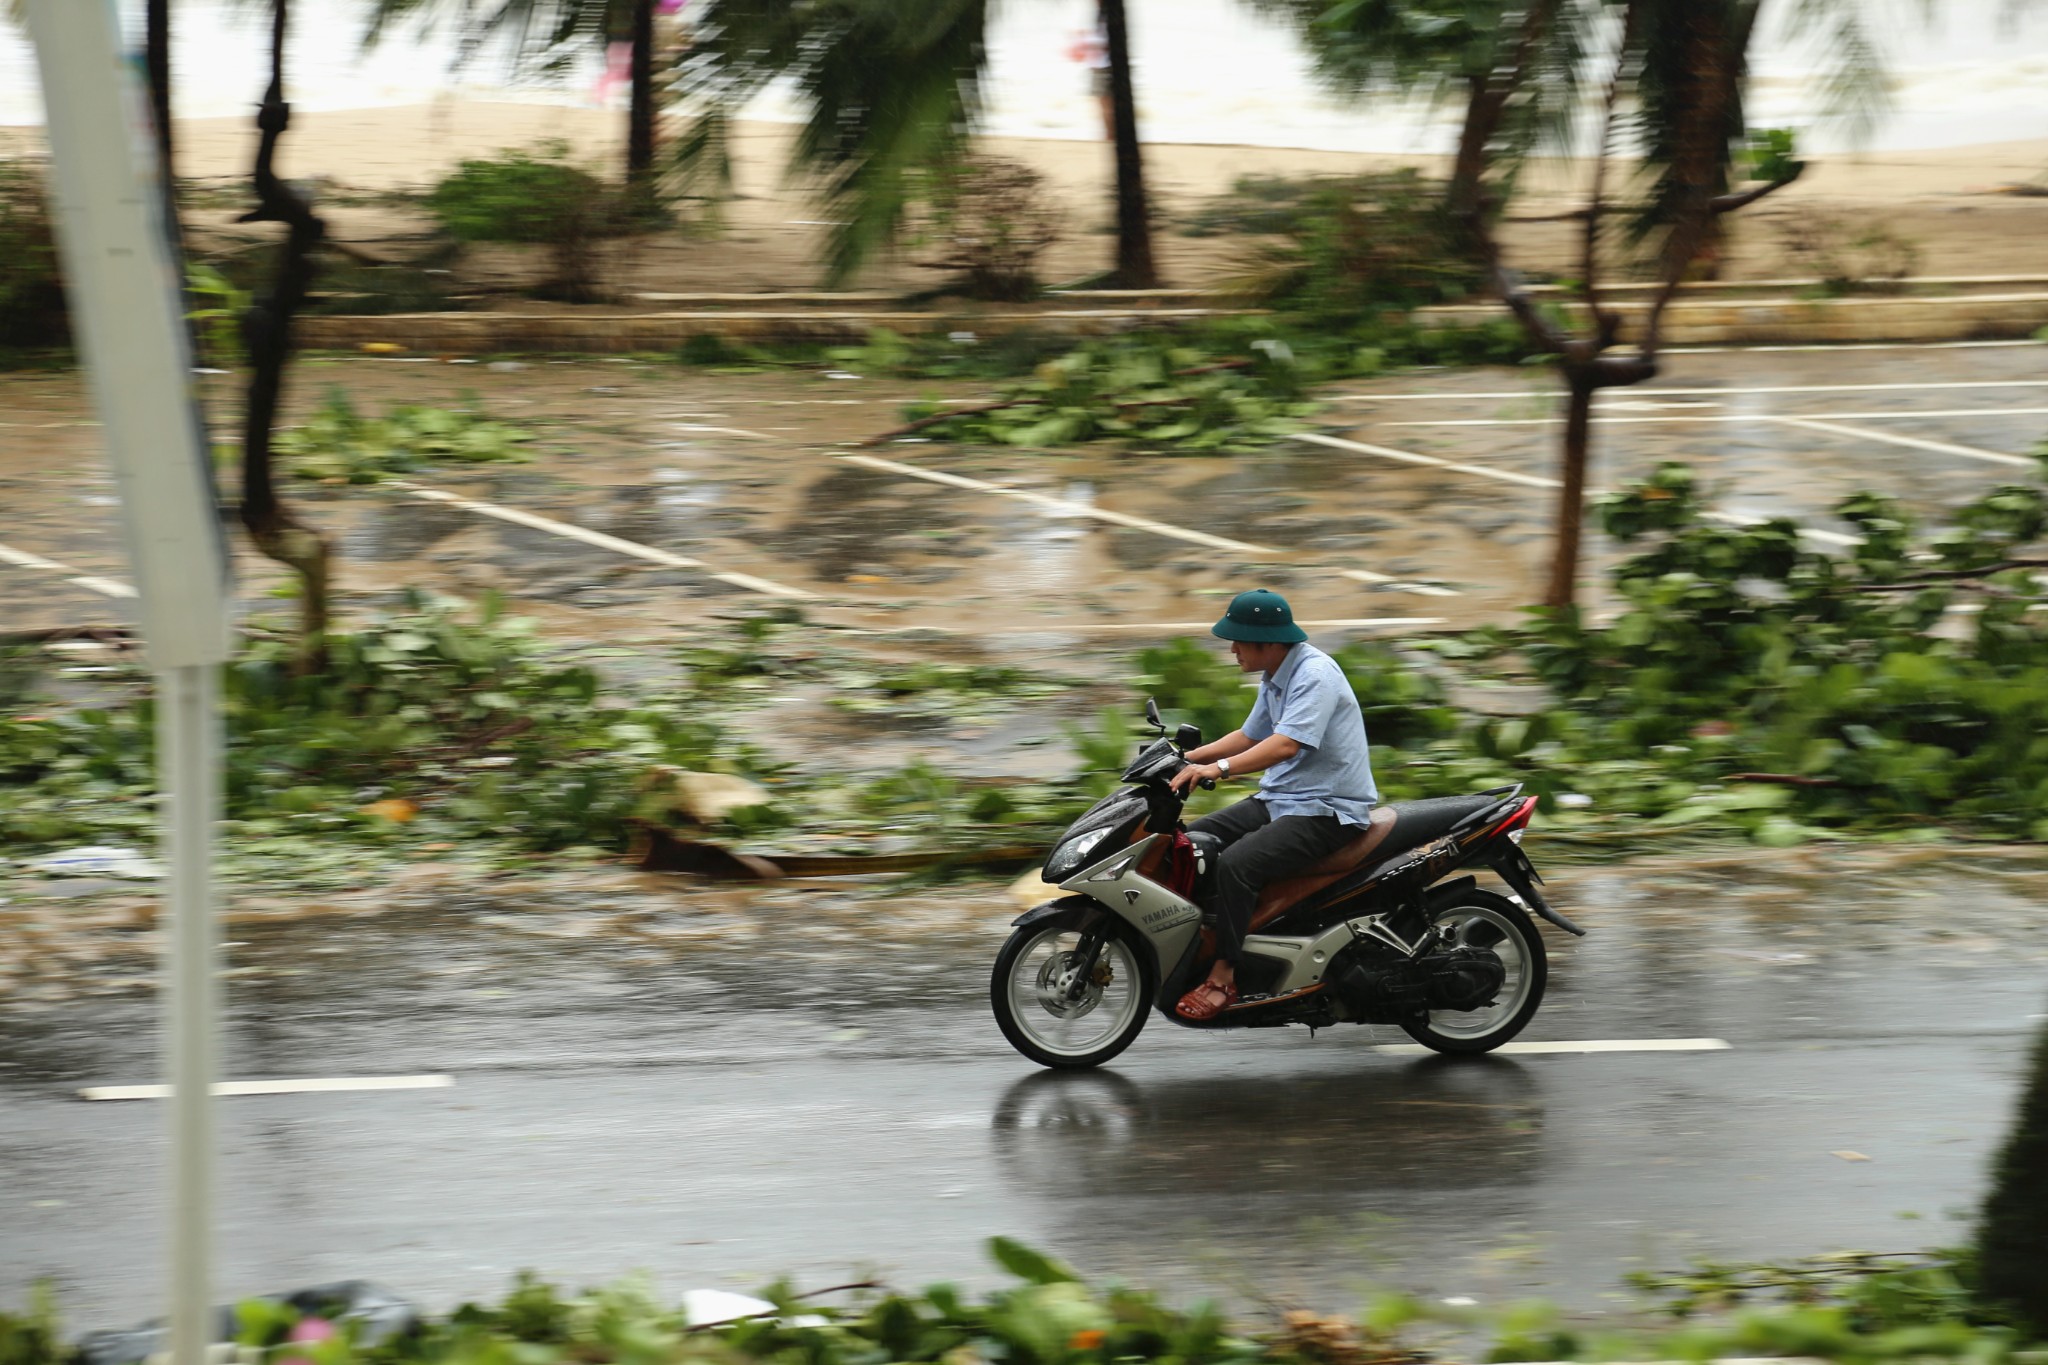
{"x":1372,"y":934}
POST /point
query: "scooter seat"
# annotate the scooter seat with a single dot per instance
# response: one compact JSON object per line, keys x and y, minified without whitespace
{"x":1391,"y":830}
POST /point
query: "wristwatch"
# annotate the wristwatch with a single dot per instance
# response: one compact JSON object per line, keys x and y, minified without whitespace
{"x":1223,"y":768}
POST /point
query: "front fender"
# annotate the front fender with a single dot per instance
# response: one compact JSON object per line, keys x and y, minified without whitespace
{"x":1077,"y":905}
{"x":1053,"y":909}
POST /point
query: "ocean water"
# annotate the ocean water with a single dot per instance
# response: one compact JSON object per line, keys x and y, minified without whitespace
{"x":1209,"y":71}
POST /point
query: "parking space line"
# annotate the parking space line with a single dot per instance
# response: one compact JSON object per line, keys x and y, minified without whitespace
{"x":105,"y":587}
{"x":570,"y":531}
{"x":1566,"y":1049}
{"x":1696,"y":393}
{"x":1064,"y":507}
{"x":1538,"y":481}
{"x":1703,"y":418}
{"x":1913,"y":442}
{"x":316,"y":1086}
{"x":1410,"y":457}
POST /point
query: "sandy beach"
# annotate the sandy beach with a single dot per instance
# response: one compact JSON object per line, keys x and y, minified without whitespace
{"x":1947,"y":203}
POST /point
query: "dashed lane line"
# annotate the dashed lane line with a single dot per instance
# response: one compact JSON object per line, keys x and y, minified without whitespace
{"x":570,"y":531}
{"x":314,"y":1086}
{"x":105,"y":587}
{"x":1705,"y":418}
{"x":1568,"y":1049}
{"x":1854,"y":346}
{"x":1453,"y":395}
{"x":1537,"y":481}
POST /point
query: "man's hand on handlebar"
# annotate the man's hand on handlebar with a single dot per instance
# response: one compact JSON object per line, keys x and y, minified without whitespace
{"x":1207,"y":774}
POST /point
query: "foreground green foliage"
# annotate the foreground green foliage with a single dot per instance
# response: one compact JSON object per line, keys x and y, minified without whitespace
{"x":339,"y":444}
{"x":1851,"y":1308}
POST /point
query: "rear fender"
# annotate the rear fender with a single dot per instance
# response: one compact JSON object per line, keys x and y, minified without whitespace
{"x":1518,"y":872}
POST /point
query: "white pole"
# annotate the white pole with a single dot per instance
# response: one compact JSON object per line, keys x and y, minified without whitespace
{"x":188,"y":773}
{"x":121,"y":278}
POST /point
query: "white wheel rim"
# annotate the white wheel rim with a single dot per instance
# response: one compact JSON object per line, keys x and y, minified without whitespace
{"x":1037,"y":995}
{"x":1513,"y":952}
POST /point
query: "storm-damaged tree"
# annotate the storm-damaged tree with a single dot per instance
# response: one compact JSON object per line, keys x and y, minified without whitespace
{"x":1517,"y":95}
{"x":1678,"y":73}
{"x":892,"y":92}
{"x":266,"y":331}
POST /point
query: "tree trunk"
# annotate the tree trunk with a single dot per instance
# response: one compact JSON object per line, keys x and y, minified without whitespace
{"x":1463,"y":196}
{"x":1134,"y":265}
{"x":1571,"y":498}
{"x":157,"y":58}
{"x":640,"y":118}
{"x":2012,"y":1241}
{"x":266,"y":328}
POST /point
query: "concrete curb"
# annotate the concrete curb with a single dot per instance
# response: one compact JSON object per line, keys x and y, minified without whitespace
{"x":485,"y":333}
{"x":1778,"y":321}
{"x":1688,"y":321}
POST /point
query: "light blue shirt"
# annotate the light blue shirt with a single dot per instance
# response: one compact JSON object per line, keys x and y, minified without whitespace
{"x":1308,"y":700}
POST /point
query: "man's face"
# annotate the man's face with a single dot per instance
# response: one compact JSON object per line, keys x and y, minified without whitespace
{"x":1256,"y":658}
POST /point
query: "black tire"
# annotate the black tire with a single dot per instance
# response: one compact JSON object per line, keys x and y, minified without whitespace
{"x":1124,"y":954}
{"x":1484,"y":1033}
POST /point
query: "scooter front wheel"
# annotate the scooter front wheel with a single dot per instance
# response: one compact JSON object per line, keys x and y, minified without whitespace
{"x":1038,"y":1010}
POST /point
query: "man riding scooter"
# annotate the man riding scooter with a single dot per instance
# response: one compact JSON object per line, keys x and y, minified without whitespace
{"x":1306,"y":736}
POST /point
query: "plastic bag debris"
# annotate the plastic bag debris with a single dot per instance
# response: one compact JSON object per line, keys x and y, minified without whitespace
{"x":98,"y":860}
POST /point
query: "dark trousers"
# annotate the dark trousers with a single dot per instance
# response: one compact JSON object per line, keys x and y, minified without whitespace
{"x":1258,"y":849}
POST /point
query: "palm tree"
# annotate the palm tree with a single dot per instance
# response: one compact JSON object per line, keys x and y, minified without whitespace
{"x":891,"y":89}
{"x":546,"y":35}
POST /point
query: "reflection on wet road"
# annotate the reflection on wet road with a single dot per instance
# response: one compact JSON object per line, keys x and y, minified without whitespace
{"x":722,"y":1086}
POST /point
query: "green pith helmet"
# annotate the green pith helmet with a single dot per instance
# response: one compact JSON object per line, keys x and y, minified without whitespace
{"x":1259,"y":617}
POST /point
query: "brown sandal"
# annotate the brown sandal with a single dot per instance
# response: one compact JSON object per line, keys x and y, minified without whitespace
{"x":1195,"y":1004}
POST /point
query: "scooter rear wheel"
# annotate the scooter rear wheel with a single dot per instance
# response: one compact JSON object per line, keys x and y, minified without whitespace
{"x":1481,"y":919}
{"x":1029,"y":988}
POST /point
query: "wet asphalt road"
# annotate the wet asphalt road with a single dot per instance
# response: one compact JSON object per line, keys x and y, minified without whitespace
{"x":808,"y":1082}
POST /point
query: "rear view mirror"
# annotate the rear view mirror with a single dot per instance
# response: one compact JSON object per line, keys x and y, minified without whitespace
{"x":1152,"y":716}
{"x":1188,"y":737}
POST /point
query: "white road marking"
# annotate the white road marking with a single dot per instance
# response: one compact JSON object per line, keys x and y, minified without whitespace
{"x":1419,"y":589}
{"x":1590,"y":1045}
{"x":1539,"y":481}
{"x":105,"y":587}
{"x":317,"y":1086}
{"x":1851,"y":346}
{"x":569,"y":531}
{"x":1914,"y":442}
{"x":1410,"y":457}
{"x":1443,"y":394}
{"x":1696,"y":418}
{"x":1064,"y":507}
{"x":722,"y":431}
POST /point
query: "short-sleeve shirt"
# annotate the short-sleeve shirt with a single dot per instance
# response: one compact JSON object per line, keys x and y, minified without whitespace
{"x":1308,"y":699}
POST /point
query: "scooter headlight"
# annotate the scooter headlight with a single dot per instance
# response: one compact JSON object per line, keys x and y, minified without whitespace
{"x":1071,"y":856}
